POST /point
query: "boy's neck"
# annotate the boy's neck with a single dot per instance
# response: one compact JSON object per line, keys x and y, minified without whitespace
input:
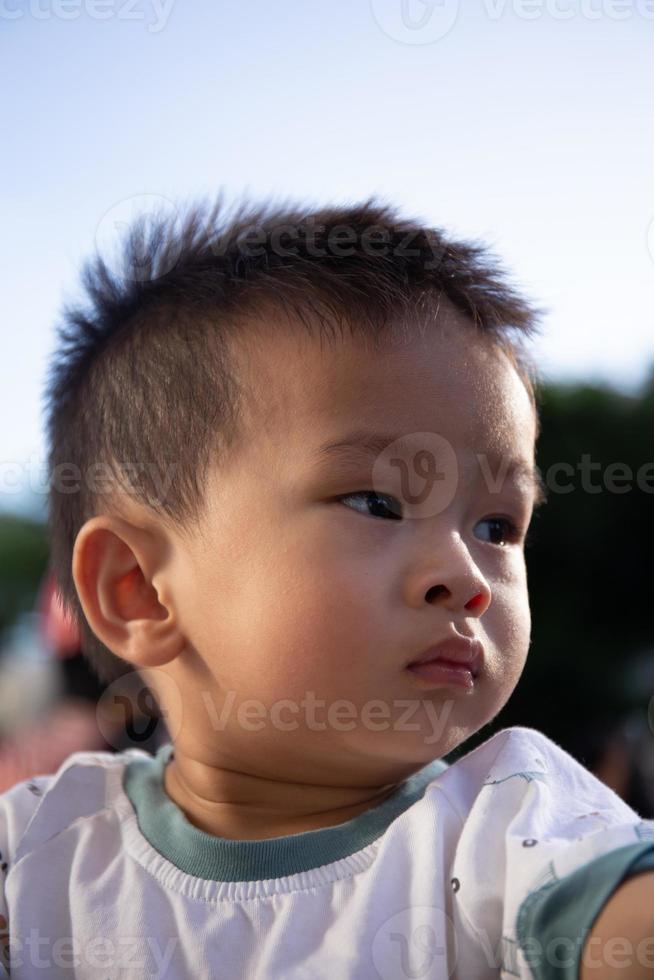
{"x":237,"y":806}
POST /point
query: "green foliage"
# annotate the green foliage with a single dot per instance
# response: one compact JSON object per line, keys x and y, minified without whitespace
{"x":23,"y":562}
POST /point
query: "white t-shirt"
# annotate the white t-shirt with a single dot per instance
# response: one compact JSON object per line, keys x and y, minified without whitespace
{"x":474,"y":870}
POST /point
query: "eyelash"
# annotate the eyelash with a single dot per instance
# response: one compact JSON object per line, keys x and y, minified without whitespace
{"x":513,"y":531}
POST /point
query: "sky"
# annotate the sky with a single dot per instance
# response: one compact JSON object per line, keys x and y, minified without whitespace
{"x":526,"y":124}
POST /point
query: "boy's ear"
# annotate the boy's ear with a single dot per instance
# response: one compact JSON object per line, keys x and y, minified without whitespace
{"x":119,"y":575}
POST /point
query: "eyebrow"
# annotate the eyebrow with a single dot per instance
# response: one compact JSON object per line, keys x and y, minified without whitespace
{"x":361,"y":445}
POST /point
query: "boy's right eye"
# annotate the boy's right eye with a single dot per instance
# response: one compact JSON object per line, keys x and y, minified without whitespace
{"x":394,"y":509}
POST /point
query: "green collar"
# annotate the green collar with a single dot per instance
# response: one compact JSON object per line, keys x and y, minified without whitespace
{"x":204,"y":855}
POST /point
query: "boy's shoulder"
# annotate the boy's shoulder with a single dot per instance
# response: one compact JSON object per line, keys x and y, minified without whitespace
{"x":530,"y":754}
{"x":527,"y":752}
{"x":37,"y":809}
{"x":522,"y":767}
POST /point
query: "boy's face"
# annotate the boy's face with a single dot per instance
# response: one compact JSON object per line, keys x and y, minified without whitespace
{"x":288,"y":596}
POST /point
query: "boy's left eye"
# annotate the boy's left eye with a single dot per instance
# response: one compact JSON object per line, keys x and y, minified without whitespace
{"x":500,"y":530}
{"x":500,"y":527}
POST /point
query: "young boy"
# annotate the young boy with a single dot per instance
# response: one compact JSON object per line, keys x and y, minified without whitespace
{"x":291,"y":454}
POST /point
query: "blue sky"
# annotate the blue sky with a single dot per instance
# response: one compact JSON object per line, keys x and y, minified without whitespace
{"x":525,"y":123}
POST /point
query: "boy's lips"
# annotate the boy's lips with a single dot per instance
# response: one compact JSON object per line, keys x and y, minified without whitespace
{"x":457,"y":650}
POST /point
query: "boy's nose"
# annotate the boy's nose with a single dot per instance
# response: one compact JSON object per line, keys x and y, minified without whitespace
{"x":477,"y":604}
{"x":449,"y":576}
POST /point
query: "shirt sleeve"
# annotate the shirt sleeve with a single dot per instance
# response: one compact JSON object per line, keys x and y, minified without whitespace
{"x":17,"y":807}
{"x":555,"y":920}
{"x":542,"y":847}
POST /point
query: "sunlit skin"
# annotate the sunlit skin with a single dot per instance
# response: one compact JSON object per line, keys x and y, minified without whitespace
{"x":284,"y":589}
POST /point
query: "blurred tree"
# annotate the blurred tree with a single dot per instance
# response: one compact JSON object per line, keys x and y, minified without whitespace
{"x":23,"y":561}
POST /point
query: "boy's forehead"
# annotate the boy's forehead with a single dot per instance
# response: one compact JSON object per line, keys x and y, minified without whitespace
{"x":452,"y":380}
